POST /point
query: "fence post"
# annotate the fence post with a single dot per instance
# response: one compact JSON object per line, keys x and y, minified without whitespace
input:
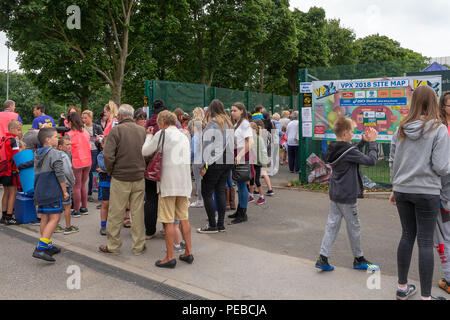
{"x":247,"y":93}
{"x":273,"y":101}
{"x":214,"y":92}
{"x":302,"y":143}
{"x":204,"y":95}
{"x":148,"y":94}
{"x":292,"y":102}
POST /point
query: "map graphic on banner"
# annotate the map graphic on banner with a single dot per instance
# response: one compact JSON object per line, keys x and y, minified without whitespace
{"x":377,"y":103}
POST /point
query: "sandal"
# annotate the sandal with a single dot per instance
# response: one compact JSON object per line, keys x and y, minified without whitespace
{"x":126,"y":220}
{"x":126,"y":223}
{"x":105,"y":249}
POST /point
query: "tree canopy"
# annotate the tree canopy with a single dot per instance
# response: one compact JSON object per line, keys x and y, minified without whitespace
{"x":256,"y":45}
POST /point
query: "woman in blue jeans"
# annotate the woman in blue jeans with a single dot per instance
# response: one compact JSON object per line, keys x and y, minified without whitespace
{"x":416,"y":180}
{"x":243,"y":136}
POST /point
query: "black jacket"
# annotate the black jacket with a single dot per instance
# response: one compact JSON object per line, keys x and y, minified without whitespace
{"x":346,"y":183}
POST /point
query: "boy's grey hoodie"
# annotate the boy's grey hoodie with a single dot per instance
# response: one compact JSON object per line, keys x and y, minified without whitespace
{"x":68,"y":171}
{"x":48,"y":174}
{"x":418,"y":162}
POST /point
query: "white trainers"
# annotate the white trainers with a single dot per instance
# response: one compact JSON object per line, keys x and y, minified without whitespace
{"x":197,"y":204}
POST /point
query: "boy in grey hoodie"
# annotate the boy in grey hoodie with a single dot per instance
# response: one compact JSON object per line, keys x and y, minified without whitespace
{"x":64,"y":146}
{"x":50,"y":191}
{"x":345,"y":188}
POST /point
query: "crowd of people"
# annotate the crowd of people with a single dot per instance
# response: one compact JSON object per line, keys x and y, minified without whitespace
{"x":147,"y":168}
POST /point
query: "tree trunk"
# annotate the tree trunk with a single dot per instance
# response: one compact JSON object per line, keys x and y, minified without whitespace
{"x":85,"y":94}
{"x":262,"y":68}
{"x":115,"y":93}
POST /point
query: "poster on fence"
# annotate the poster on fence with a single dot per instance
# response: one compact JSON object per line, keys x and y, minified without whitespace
{"x":378,"y":103}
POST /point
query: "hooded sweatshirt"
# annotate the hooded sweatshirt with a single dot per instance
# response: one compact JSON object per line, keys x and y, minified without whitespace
{"x":48,"y":174}
{"x":418,"y":162}
{"x":346,"y":183}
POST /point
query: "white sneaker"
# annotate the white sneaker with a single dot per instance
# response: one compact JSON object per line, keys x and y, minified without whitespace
{"x":197,"y":204}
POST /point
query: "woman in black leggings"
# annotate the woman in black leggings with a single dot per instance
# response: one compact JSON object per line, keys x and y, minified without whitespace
{"x":416,"y":183}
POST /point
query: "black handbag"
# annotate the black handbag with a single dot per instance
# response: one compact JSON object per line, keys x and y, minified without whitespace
{"x":241,"y":172}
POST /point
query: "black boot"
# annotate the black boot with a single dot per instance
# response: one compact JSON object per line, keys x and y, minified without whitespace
{"x":234,"y":215}
{"x":241,"y":216}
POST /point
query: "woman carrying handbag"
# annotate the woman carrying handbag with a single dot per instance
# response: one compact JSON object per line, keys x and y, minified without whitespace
{"x":243,"y":138}
{"x":171,"y":169}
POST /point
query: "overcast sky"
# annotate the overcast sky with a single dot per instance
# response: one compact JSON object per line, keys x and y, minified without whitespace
{"x":420,"y":25}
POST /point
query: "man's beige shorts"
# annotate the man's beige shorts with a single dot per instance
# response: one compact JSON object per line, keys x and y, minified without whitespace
{"x":172,"y":208}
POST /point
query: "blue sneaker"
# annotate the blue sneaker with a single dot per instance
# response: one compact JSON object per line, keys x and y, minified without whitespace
{"x":322,"y":264}
{"x":75,"y":214}
{"x":362,"y":264}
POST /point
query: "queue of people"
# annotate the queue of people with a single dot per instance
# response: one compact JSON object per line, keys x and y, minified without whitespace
{"x":146,"y":168}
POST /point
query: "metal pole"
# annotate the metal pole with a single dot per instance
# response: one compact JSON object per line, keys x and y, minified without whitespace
{"x":302,"y":143}
{"x":7,"y":77}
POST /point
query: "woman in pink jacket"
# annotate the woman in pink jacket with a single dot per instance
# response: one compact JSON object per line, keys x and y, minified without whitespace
{"x":81,"y":160}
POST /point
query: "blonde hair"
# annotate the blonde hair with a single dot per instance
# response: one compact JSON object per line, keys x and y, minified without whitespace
{"x":198,"y":114}
{"x":285,"y":114}
{"x":89,"y":113}
{"x":113,"y":109}
{"x":276,"y":116}
{"x":423,"y":103}
{"x":166,"y":117}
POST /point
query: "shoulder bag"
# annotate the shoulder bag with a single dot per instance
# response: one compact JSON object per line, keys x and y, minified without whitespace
{"x":154,"y":168}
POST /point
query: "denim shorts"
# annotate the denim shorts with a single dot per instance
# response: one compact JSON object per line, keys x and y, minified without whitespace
{"x":68,"y":201}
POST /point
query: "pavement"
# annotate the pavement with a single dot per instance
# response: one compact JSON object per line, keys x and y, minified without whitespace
{"x":271,"y":256}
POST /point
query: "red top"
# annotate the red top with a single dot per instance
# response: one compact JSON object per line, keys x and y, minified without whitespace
{"x":81,"y":148}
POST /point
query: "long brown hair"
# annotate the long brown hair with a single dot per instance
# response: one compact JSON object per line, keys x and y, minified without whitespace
{"x":424,"y":103}
{"x":444,"y":98}
{"x":75,"y":119}
{"x":217,"y":110}
{"x":244,"y":116}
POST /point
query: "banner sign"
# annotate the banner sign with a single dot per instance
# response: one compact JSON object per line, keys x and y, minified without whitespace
{"x":377,"y":103}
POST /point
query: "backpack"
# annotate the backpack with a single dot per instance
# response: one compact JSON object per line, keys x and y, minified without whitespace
{"x":4,"y":162}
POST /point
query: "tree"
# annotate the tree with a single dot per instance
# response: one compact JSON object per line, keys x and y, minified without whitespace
{"x":22,"y":91}
{"x":277,"y":45}
{"x":103,"y":44}
{"x":312,"y":44}
{"x":341,"y":42}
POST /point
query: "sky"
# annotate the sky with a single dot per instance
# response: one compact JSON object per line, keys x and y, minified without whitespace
{"x":420,"y":25}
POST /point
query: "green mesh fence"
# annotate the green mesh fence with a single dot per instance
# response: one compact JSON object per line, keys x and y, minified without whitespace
{"x":188,"y":96}
{"x":379,"y":173}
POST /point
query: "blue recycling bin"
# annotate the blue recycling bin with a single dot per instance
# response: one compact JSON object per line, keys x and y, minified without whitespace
{"x":25,"y":211}
{"x":26,"y":175}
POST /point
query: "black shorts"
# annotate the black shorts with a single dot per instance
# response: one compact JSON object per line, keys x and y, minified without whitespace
{"x":104,"y":193}
{"x":7,"y":181}
{"x":53,"y":208}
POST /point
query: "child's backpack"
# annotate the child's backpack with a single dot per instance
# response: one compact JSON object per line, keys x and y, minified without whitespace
{"x":4,"y":162}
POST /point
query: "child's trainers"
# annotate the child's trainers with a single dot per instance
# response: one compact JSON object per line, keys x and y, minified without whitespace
{"x":84,"y":211}
{"x":11,"y":222}
{"x":322,"y":263}
{"x":59,"y":229}
{"x":444,"y":285}
{"x":75,"y":214}
{"x":43,"y":255}
{"x":405,"y":294}
{"x":270,"y":193}
{"x":250,"y":199}
{"x":71,"y":229}
{"x":362,"y":264}
{"x":261,"y":201}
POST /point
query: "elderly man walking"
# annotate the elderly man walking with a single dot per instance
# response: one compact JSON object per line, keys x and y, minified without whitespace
{"x":126,"y":166}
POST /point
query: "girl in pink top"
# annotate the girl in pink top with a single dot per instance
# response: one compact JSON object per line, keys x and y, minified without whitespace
{"x":81,"y":160}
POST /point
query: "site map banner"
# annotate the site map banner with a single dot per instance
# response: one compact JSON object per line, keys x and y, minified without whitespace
{"x":377,"y":103}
